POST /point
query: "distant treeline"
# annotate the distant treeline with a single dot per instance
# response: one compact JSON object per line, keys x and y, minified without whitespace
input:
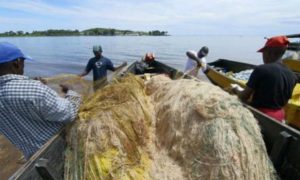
{"x":88,"y":32}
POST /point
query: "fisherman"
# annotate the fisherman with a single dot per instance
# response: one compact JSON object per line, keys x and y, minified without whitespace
{"x":30,"y":112}
{"x":99,"y":64}
{"x":271,"y":84}
{"x":146,"y":62}
{"x":196,"y":60}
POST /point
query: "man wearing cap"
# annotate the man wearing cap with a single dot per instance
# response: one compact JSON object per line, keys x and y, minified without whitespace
{"x":30,"y":112}
{"x":196,"y":60}
{"x":271,"y":84}
{"x":99,"y":64}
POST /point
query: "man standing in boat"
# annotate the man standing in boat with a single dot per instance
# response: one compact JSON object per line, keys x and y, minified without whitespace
{"x":30,"y":112}
{"x":271,"y":84}
{"x":99,"y":64}
{"x":196,"y":61}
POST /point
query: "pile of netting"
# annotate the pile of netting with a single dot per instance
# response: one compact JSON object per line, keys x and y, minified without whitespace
{"x":80,"y":85}
{"x":165,"y":129}
{"x":207,"y":131}
{"x":114,"y":137}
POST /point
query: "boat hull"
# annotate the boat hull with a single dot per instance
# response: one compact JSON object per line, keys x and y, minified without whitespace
{"x":282,"y":142}
{"x":294,"y":65}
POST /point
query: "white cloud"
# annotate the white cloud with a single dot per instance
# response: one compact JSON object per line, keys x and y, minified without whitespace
{"x":24,"y":21}
{"x":193,"y":15}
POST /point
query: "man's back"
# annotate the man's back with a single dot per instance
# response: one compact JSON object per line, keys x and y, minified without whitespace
{"x":31,"y":113}
{"x":273,"y":85}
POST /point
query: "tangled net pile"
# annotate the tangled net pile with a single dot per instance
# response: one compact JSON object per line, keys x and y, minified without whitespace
{"x":78,"y":84}
{"x":113,"y":138}
{"x":208,"y":131}
{"x":164,"y":129}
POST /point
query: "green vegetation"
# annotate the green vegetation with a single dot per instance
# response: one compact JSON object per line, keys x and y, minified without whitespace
{"x":88,"y":32}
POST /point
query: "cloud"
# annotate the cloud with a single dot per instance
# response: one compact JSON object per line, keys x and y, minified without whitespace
{"x":175,"y":15}
{"x":24,"y":21}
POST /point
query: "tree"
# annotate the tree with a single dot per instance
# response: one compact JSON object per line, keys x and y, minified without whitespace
{"x":20,"y":33}
{"x":11,"y":33}
{"x":112,"y":32}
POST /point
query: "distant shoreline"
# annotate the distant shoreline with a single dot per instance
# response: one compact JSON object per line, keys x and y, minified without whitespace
{"x":88,"y":32}
{"x":86,"y":36}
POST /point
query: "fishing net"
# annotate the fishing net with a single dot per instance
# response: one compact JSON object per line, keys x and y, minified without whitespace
{"x":76,"y":83}
{"x":165,"y":129}
{"x":207,"y":131}
{"x":114,"y":136}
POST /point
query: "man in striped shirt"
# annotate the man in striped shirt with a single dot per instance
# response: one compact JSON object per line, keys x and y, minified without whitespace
{"x":30,"y":112}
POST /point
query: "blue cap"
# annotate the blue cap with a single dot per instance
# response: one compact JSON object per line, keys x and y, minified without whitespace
{"x":10,"y":52}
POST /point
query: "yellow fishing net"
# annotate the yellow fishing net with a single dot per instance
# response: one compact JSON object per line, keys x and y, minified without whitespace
{"x":165,"y":129}
{"x":108,"y":139}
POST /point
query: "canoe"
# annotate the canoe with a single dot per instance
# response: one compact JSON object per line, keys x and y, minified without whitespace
{"x":293,"y":64}
{"x":218,"y":74}
{"x":282,"y":142}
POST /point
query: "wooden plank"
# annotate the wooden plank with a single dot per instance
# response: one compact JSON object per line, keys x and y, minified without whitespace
{"x":53,"y":150}
{"x":293,"y":36}
{"x":46,"y":171}
{"x":288,"y":165}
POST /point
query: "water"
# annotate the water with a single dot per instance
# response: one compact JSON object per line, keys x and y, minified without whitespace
{"x":57,"y":55}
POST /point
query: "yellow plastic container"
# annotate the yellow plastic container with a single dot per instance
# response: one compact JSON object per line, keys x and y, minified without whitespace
{"x":292,"y":109}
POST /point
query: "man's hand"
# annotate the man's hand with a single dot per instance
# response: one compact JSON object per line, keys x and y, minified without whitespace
{"x":42,"y":80}
{"x":65,"y":88}
{"x":191,"y":54}
{"x":243,"y":94}
{"x":235,"y":88}
{"x":84,"y":73}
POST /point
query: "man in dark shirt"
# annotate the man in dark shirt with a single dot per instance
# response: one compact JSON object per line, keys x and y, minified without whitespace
{"x":271,"y":84}
{"x":99,"y":64}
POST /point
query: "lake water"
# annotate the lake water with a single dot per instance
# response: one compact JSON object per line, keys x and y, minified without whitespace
{"x":57,"y":55}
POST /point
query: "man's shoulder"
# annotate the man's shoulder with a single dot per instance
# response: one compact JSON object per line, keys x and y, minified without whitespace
{"x":25,"y":89}
{"x":33,"y":85}
{"x":92,"y":59}
{"x":105,"y":58}
{"x":20,"y":80}
{"x":262,"y":66}
{"x":265,"y":67}
{"x":273,"y":66}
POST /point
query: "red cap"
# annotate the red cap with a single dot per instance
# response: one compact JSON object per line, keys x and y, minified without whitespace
{"x":149,"y":57}
{"x":277,"y":41}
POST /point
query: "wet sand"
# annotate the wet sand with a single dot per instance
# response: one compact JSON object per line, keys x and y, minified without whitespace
{"x":10,"y":158}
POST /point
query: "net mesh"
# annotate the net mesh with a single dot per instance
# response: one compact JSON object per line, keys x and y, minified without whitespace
{"x":164,"y":129}
{"x":208,"y":131}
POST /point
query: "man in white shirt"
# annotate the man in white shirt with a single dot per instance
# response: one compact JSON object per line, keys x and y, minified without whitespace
{"x":196,"y":60}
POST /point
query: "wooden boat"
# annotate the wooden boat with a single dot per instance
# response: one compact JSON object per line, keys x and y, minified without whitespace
{"x":293,"y":64}
{"x":219,"y":69}
{"x":283,"y":142}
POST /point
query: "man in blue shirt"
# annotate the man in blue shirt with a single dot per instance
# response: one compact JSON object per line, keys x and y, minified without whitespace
{"x":30,"y":112}
{"x":99,"y":64}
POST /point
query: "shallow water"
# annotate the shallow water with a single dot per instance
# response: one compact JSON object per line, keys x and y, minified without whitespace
{"x":57,"y":55}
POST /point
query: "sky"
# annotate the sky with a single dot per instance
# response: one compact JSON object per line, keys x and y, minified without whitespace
{"x":178,"y":17}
